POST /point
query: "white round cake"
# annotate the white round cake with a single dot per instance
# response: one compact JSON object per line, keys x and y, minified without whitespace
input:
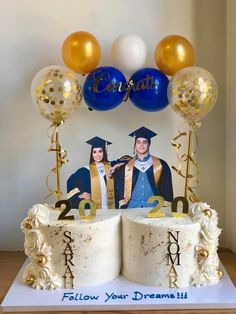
{"x":71,"y":253}
{"x":170,"y":252}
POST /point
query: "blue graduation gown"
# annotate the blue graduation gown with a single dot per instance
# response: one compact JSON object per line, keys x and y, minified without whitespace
{"x":164,"y":187}
{"x":82,"y":181}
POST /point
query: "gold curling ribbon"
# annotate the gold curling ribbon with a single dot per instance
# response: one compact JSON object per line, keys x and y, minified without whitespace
{"x":190,"y":176}
{"x":61,"y":159}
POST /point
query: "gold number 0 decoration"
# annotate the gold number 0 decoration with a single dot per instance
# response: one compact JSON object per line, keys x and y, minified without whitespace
{"x":174,"y":206}
{"x":93,"y":210}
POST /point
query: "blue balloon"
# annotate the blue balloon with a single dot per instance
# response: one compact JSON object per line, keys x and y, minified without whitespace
{"x":149,"y":89}
{"x":104,"y":88}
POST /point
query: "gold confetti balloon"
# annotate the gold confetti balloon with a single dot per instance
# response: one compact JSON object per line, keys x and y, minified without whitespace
{"x":56,"y":92}
{"x":192,"y":93}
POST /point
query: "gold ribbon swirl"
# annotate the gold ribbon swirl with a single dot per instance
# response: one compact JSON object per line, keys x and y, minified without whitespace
{"x":191,"y":165}
{"x":61,"y":159}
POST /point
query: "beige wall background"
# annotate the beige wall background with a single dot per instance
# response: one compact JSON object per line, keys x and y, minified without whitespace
{"x":231,"y":127}
{"x":32,"y":34}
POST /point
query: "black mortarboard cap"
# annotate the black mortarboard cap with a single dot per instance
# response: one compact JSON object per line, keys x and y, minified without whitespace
{"x":143,"y":132}
{"x":96,"y":142}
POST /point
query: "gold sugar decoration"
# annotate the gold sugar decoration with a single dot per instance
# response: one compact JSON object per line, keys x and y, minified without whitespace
{"x":220,"y":273}
{"x":207,"y":212}
{"x":41,"y":260}
{"x":27,"y":224}
{"x":188,"y":167}
{"x":61,"y":159}
{"x":202,"y":254}
{"x":30,"y":279}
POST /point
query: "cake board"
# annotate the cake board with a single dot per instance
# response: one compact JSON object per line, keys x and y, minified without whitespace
{"x":118,"y":294}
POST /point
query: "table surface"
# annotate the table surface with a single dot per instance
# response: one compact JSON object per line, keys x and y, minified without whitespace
{"x":11,"y":262}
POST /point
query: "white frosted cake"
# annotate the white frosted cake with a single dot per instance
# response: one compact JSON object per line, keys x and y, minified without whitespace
{"x":171,"y":252}
{"x":71,"y":253}
{"x":166,"y":252}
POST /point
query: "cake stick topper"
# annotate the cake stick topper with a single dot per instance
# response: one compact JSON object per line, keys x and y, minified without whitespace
{"x":192,"y":93}
{"x":56,"y":93}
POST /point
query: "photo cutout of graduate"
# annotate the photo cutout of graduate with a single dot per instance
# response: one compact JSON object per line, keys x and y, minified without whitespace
{"x":144,"y":175}
{"x":93,"y":182}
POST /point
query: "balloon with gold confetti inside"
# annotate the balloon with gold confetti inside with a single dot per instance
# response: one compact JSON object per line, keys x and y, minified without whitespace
{"x":192,"y":93}
{"x":56,"y":93}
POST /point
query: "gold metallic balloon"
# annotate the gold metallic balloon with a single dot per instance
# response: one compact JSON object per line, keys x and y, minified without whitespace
{"x":56,"y":92}
{"x":81,"y":52}
{"x":173,"y":53}
{"x":192,"y":93}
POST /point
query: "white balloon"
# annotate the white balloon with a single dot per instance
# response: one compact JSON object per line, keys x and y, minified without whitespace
{"x":129,"y":53}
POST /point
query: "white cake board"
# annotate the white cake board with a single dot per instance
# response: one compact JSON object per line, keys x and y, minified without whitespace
{"x":125,"y":296}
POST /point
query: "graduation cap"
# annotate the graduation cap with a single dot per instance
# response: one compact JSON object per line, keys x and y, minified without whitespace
{"x":143,"y":132}
{"x":96,"y":142}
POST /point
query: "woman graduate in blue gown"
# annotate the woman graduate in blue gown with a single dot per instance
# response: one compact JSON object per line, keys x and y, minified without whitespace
{"x":94,"y":182}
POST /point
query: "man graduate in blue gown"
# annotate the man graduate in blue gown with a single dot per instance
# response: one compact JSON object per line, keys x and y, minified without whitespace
{"x":143,"y":176}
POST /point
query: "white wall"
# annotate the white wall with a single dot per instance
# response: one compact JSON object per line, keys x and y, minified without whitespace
{"x":32,"y":34}
{"x":231,"y":127}
{"x":210,"y":44}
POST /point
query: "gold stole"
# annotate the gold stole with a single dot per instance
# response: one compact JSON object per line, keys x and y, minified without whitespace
{"x":129,"y":168}
{"x":96,"y":187}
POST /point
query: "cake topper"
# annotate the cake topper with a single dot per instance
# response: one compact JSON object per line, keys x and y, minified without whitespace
{"x":56,"y":93}
{"x":192,"y":94}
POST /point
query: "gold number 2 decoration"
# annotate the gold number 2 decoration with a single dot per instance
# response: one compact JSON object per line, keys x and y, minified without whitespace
{"x":155,"y":213}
